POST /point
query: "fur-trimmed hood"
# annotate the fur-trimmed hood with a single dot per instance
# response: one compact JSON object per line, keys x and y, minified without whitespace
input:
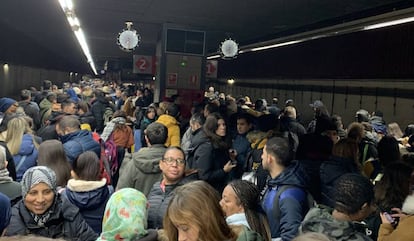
{"x":408,"y":206}
{"x":87,"y":195}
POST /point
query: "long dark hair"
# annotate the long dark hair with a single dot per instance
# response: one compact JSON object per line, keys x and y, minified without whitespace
{"x":210,"y":126}
{"x":86,"y":166}
{"x":248,"y":195}
{"x":52,"y":155}
{"x":394,"y":186}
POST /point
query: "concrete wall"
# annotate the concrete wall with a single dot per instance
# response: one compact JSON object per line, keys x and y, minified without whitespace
{"x":14,"y":78}
{"x":395,"y":98}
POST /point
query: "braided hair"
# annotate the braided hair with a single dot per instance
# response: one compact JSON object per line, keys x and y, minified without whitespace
{"x":248,"y":195}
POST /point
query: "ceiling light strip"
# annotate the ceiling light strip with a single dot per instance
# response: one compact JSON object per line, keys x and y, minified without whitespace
{"x":374,"y":22}
{"x":68,"y":9}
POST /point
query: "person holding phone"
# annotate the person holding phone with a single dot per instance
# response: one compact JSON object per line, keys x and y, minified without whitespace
{"x":404,"y":231}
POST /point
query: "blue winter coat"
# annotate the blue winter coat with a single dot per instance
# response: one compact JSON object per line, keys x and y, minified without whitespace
{"x":27,"y":149}
{"x":91,"y":198}
{"x":78,"y":142}
{"x":293,"y":203}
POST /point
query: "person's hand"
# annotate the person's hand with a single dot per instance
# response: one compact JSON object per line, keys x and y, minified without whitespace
{"x":228,"y":167}
{"x":397,"y":213}
{"x":232,"y":154}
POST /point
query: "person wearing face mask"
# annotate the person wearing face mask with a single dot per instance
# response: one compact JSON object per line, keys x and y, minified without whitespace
{"x":43,"y":212}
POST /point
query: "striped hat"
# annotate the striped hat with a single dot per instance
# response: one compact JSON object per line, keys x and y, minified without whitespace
{"x":36,"y":175}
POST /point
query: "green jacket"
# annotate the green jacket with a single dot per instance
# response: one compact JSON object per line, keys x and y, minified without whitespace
{"x":320,"y":220}
{"x":249,"y":235}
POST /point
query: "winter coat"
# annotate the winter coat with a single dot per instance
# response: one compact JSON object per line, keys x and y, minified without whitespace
{"x":11,"y":167}
{"x":143,"y":125}
{"x":292,"y":202}
{"x":173,"y":127}
{"x":404,"y":231}
{"x":45,"y":105}
{"x":123,"y":136}
{"x":330,"y":171}
{"x":158,"y":199}
{"x":27,"y":150}
{"x":12,"y":189}
{"x":65,"y":222}
{"x":289,"y":124}
{"x":242,"y":147}
{"x":90,"y":197}
{"x":208,"y":160}
{"x":78,"y":142}
{"x":88,"y":118}
{"x":98,"y":109}
{"x":32,"y":109}
{"x":320,"y":220}
{"x":245,"y":234}
{"x":143,"y":170}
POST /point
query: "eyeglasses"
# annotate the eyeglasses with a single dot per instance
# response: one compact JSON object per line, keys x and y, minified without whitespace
{"x":170,"y":161}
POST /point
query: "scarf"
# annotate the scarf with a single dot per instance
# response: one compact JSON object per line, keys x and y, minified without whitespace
{"x":125,"y":216}
{"x":42,"y":219}
{"x":4,"y":176}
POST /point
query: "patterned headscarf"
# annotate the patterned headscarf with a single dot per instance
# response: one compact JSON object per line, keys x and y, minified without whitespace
{"x":125,"y":216}
{"x":36,"y":175}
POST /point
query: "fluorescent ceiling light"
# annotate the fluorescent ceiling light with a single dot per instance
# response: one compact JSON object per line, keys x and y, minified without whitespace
{"x":214,"y":56}
{"x":389,"y":23}
{"x":67,"y":7}
{"x":276,"y":45}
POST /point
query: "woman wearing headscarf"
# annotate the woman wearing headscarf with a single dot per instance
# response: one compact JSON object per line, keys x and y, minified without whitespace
{"x":43,"y":212}
{"x":125,"y":217}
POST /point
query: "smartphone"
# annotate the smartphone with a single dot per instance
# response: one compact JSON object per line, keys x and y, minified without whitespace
{"x":389,"y":218}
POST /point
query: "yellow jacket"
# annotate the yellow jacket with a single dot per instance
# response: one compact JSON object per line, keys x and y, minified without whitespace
{"x":173,"y":127}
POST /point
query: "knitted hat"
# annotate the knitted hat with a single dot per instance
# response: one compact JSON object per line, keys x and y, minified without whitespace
{"x":36,"y":175}
{"x":5,"y":103}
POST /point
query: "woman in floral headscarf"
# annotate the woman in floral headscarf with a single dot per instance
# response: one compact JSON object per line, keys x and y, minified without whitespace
{"x":125,"y":217}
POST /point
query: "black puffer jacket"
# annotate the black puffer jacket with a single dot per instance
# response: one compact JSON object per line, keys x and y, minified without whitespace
{"x":98,"y":109}
{"x":65,"y":222}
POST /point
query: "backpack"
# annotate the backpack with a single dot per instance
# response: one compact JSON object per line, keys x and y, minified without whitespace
{"x":107,"y":116}
{"x":309,"y":199}
{"x":109,"y":158}
{"x":253,"y":169}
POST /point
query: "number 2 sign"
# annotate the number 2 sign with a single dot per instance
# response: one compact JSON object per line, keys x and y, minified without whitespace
{"x":142,"y":64}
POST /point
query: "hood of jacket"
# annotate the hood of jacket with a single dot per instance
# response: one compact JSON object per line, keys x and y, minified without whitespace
{"x":408,"y":206}
{"x":77,"y":134}
{"x":45,"y":104}
{"x":147,"y":159}
{"x":292,"y":175}
{"x":87,"y":195}
{"x":320,"y":219}
{"x":167,"y":120}
{"x":198,"y":137}
{"x":27,"y":147}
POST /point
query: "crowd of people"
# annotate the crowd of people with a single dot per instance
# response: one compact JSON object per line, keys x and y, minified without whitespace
{"x":98,"y":161}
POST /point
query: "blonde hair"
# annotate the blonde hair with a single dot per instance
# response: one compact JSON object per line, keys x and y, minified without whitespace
{"x":14,"y":138}
{"x":395,"y":130}
{"x":197,"y":203}
{"x":2,"y":157}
